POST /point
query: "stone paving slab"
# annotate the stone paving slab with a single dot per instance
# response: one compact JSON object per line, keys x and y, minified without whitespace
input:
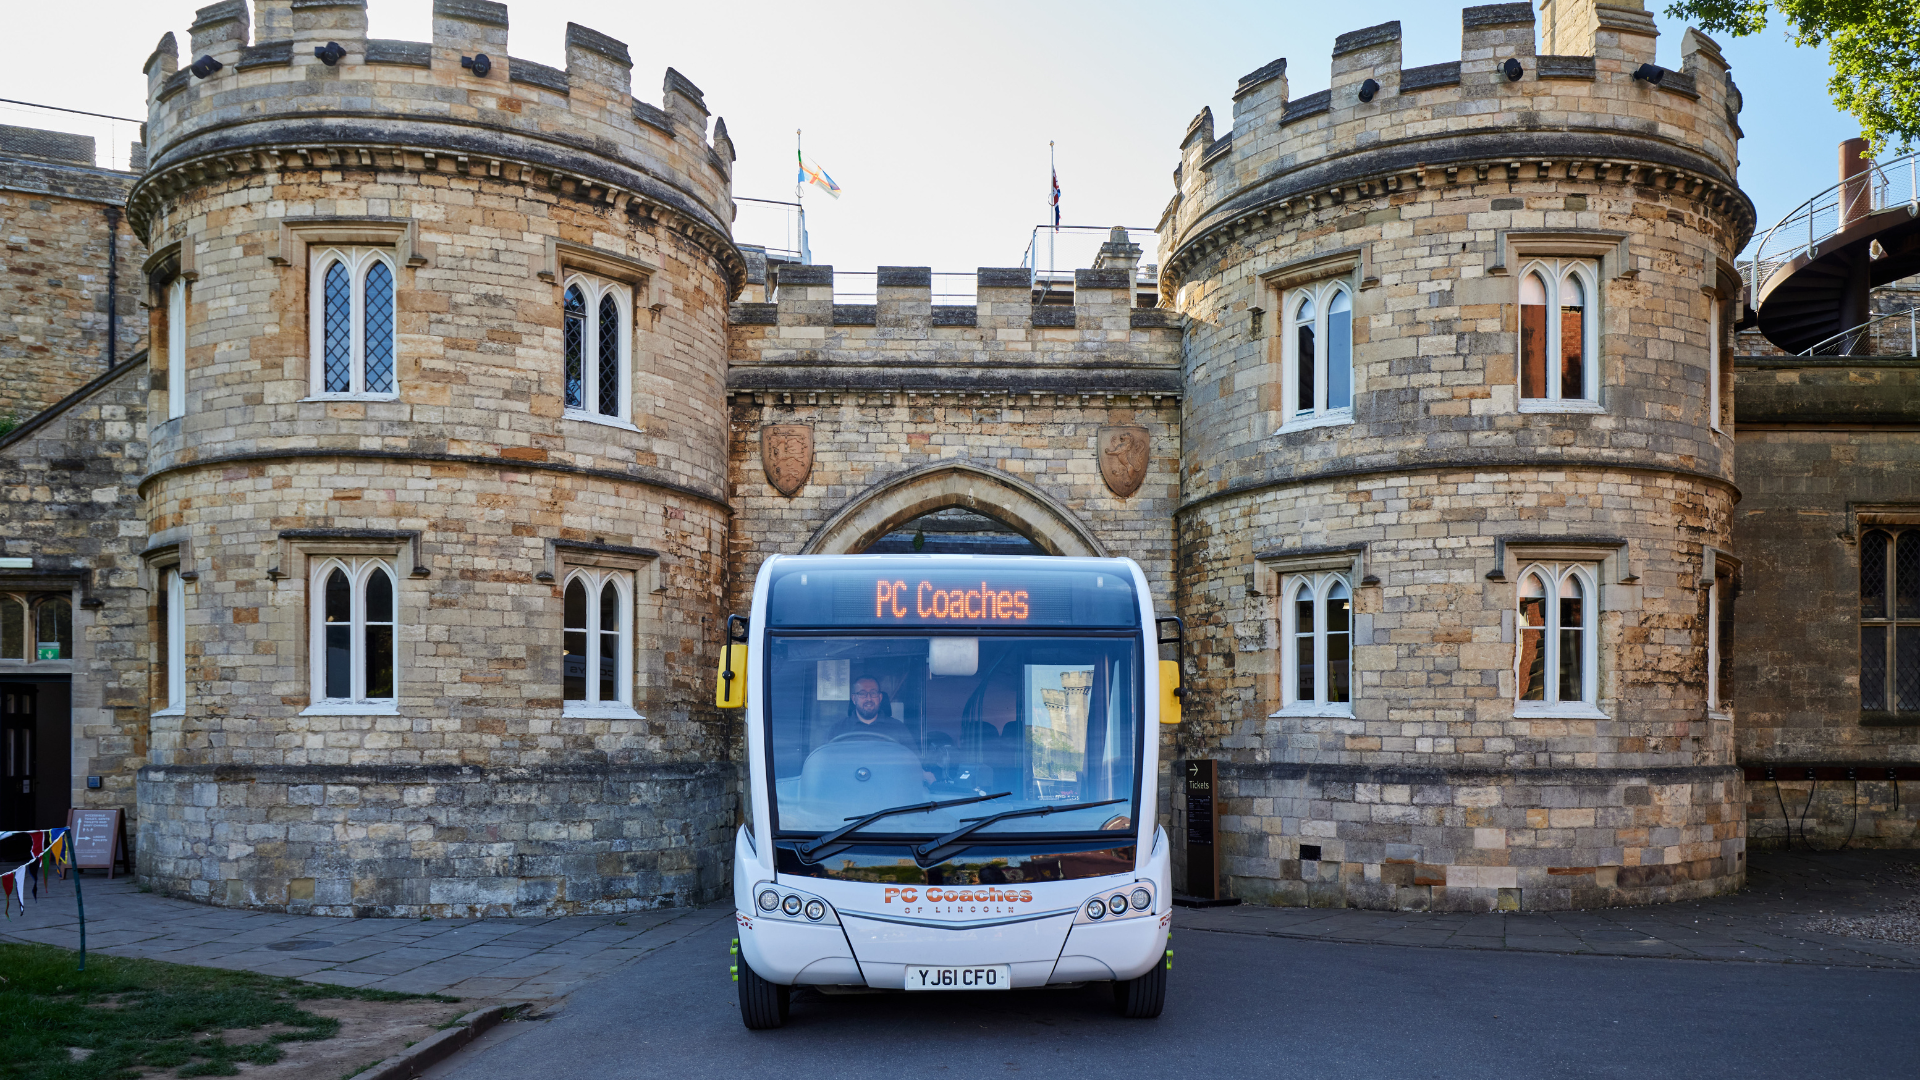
{"x":522,"y":959}
{"x":1764,"y":923}
{"x":479,"y":960}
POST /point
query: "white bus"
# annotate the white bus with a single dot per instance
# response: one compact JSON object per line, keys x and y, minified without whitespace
{"x":951,"y":780}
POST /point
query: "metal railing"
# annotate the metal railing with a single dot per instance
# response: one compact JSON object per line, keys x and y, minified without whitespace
{"x":1844,"y":342}
{"x":1882,"y":186}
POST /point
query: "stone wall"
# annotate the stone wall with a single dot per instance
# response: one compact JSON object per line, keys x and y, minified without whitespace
{"x":56,"y":210}
{"x":1826,"y":452}
{"x":71,"y":482}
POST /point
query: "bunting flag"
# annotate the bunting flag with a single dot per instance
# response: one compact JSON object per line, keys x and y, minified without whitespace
{"x":814,"y":174}
{"x":6,"y":896}
{"x":20,"y":886}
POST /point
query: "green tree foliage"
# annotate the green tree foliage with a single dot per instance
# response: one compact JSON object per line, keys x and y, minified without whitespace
{"x":1873,"y":45}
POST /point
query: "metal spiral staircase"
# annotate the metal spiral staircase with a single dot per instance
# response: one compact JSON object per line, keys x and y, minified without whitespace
{"x":1809,"y":282}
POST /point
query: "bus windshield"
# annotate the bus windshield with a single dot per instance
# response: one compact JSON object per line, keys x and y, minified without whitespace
{"x":859,"y":723}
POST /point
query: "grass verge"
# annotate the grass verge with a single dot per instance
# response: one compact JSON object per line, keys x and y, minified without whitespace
{"x":128,"y":1015}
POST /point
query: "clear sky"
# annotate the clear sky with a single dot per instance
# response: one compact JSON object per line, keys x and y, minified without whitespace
{"x":935,"y":118}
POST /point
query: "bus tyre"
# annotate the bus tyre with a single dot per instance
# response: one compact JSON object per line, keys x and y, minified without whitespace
{"x":763,"y":1005}
{"x":1144,"y":997}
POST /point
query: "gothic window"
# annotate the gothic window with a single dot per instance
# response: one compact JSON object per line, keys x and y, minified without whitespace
{"x":597,"y":338}
{"x":1317,"y":628}
{"x":355,"y":615}
{"x":36,"y":628}
{"x":1890,"y":621}
{"x":53,"y":628}
{"x":1559,"y":343}
{"x":597,"y":641}
{"x":1318,"y":354}
{"x":177,"y":349}
{"x":1556,"y":651}
{"x":353,"y":323}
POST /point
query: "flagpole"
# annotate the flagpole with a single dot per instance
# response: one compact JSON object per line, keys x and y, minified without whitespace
{"x":1053,"y":235}
{"x":799,"y":196}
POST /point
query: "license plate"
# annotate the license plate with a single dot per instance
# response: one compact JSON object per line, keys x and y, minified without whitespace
{"x":988,"y":977}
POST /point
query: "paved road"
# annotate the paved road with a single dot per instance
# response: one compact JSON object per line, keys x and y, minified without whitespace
{"x":1248,"y":1004}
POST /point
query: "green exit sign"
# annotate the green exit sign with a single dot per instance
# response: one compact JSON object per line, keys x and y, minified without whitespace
{"x":49,"y":650}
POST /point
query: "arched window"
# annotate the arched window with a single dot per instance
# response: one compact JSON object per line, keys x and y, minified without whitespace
{"x":597,"y":337}
{"x":13,"y":629}
{"x":355,"y":615}
{"x":1890,"y":621}
{"x":177,"y":349}
{"x":1555,"y":657}
{"x":53,"y":628}
{"x":597,"y":641}
{"x":1557,"y":338}
{"x":353,"y":322}
{"x":1318,"y":624}
{"x":1318,"y":350}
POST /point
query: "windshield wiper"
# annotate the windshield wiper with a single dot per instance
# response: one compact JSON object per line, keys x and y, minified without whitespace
{"x":934,"y":852}
{"x":816,"y":849}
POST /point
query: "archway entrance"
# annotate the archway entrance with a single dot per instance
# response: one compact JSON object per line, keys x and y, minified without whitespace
{"x":955,"y":531}
{"x":954,"y":508}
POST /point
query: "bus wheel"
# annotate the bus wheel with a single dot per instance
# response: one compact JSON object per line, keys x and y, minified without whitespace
{"x":763,"y":1004}
{"x":1141,"y":998}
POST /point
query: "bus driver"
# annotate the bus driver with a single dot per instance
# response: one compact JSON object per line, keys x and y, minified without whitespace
{"x":866,"y":715}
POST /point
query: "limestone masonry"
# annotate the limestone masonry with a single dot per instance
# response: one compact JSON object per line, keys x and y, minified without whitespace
{"x":427,"y":365}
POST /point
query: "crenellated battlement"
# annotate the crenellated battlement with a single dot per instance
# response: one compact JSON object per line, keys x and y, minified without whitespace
{"x":272,"y":92}
{"x":1597,"y":108}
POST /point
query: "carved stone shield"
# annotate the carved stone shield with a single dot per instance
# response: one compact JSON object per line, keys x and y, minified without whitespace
{"x":787,"y":452}
{"x":1123,"y":457}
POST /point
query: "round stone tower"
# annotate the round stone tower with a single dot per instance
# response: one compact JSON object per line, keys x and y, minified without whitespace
{"x":437,"y":499}
{"x":1458,"y":468}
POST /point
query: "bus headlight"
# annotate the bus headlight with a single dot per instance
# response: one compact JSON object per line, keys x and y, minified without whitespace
{"x":769,"y":900}
{"x":1142,"y":899}
{"x":1096,"y":908}
{"x":1117,"y":903}
{"x":791,"y":905}
{"x":815,"y":910}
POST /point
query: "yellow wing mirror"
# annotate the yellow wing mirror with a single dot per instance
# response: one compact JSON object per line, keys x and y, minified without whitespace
{"x":1171,"y":692}
{"x":730,"y":688}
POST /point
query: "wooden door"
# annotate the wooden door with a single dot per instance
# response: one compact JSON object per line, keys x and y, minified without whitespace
{"x":18,"y":718}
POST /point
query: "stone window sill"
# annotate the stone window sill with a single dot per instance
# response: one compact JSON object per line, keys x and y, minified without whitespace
{"x":585,"y":711}
{"x":1563,"y":710}
{"x":323,"y":398}
{"x":171,"y":710}
{"x":352,"y":708}
{"x":1336,"y":418}
{"x":1338,"y":711}
{"x":1719,"y":714}
{"x":1890,"y":719}
{"x":596,"y":418}
{"x":1560,"y":405}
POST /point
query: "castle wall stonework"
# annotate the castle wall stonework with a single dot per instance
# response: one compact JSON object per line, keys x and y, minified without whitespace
{"x":758,"y":416}
{"x":70,"y":477}
{"x":475,"y":790}
{"x":1436,"y":787}
{"x":55,"y":217}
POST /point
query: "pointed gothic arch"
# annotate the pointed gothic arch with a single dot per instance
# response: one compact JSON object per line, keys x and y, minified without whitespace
{"x":899,"y":499}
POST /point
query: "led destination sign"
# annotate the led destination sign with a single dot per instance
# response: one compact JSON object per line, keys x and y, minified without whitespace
{"x":1029,"y":592}
{"x":929,"y":601}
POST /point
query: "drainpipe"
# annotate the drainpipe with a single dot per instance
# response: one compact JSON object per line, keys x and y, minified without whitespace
{"x":113,"y":285}
{"x":1856,"y":202}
